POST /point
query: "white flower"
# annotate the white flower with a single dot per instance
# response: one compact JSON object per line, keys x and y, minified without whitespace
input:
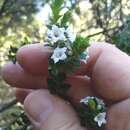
{"x":59,"y":54}
{"x":100,"y":103}
{"x":55,"y":34}
{"x":49,"y":36}
{"x":86,"y":100}
{"x":71,"y":36}
{"x":58,"y":32}
{"x":100,"y":119}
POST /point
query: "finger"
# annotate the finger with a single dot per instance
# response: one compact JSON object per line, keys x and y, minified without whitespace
{"x":48,"y":112}
{"x":118,"y":116}
{"x":17,"y":77}
{"x":34,"y":59}
{"x":110,"y":71}
{"x":14,"y":75}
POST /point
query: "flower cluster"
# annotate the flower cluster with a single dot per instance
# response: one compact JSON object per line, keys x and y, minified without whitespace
{"x":95,"y":108}
{"x":56,"y":34}
{"x":68,"y":52}
{"x":61,"y":39}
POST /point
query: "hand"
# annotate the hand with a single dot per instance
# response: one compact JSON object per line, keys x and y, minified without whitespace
{"x":109,"y":72}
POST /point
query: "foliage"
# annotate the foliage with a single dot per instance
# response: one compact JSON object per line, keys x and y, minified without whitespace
{"x":16,"y":13}
{"x":66,"y":18}
{"x":13,"y":49}
{"x":80,"y":45}
{"x":122,"y":38}
{"x":60,"y":37}
{"x":107,"y":22}
{"x":56,"y":8}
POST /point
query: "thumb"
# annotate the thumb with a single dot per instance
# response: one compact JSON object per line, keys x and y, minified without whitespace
{"x":48,"y":112}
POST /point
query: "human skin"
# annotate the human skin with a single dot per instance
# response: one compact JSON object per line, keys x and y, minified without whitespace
{"x":105,"y":75}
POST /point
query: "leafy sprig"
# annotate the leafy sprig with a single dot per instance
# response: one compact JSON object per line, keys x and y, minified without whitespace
{"x":57,"y":18}
{"x":13,"y":49}
{"x":80,"y":45}
{"x":66,"y":18}
{"x":56,"y":8}
{"x":92,"y":107}
{"x":75,"y":49}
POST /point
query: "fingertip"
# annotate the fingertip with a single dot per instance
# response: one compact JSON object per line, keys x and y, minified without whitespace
{"x":96,"y":48}
{"x":94,"y":51}
{"x":7,"y":71}
{"x":38,"y":105}
{"x":50,"y":112}
{"x":110,"y":72}
{"x":14,"y":75}
{"x":34,"y":58}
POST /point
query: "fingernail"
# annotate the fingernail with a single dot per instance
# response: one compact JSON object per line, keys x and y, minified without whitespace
{"x":38,"y":106}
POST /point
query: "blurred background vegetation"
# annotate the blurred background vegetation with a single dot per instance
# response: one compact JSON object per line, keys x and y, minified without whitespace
{"x":20,"y":20}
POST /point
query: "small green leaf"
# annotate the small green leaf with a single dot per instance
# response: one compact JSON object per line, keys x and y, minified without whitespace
{"x":80,"y":45}
{"x":12,"y":54}
{"x":83,"y":56}
{"x":51,"y":85}
{"x":61,"y":77}
{"x":66,"y":18}
{"x":77,"y":63}
{"x":53,"y":72}
{"x":56,"y":8}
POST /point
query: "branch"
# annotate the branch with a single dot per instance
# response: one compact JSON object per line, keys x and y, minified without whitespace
{"x":3,"y":7}
{"x":104,"y":31}
{"x":8,"y":105}
{"x":121,"y":13}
